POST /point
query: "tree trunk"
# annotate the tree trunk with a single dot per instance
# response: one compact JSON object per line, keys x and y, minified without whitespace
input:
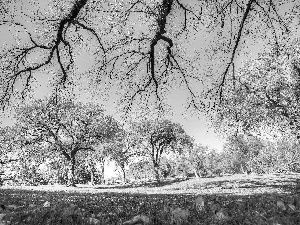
{"x":156,"y":171}
{"x":124,"y":174}
{"x":196,"y":172}
{"x":243,"y":168}
{"x":71,"y":173}
{"x":92,"y":177}
{"x":102,"y":181}
{"x":92,"y":173}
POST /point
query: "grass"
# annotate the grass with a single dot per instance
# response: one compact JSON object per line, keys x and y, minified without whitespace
{"x":241,"y":199}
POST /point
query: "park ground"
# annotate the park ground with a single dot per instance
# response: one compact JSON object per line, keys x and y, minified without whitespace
{"x":236,"y":199}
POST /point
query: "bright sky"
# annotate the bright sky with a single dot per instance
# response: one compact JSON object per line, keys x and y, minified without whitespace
{"x":198,"y":127}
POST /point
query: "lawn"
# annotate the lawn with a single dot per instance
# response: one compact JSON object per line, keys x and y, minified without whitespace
{"x":237,"y":199}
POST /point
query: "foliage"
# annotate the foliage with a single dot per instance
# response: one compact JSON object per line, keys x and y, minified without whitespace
{"x":123,"y":149}
{"x":166,"y":167}
{"x":260,"y":109}
{"x":10,"y":151}
{"x":240,"y":150}
{"x":245,"y":153}
{"x":145,"y":63}
{"x":281,"y":157}
{"x":198,"y":158}
{"x":265,"y":98}
{"x":180,"y":166}
{"x":90,"y":166}
{"x":51,"y":171}
{"x":35,"y":168}
{"x":161,"y":136}
{"x":65,"y":127}
{"x":204,"y":162}
{"x":10,"y":144}
{"x":141,"y":170}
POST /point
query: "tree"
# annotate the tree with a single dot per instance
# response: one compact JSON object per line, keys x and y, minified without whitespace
{"x":263,"y":105}
{"x":280,"y":156}
{"x":196,"y":157}
{"x":50,"y":169}
{"x":160,"y":136}
{"x":10,"y":150}
{"x":266,"y":98}
{"x":140,"y":44}
{"x":123,"y":149}
{"x":92,"y":164}
{"x":66,"y":127}
{"x":241,"y":151}
{"x":177,"y":166}
{"x":205,"y":161}
{"x":141,"y":169}
{"x":10,"y":144}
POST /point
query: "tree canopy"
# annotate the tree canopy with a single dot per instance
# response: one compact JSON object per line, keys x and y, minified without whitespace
{"x":66,"y":127}
{"x":142,"y":45}
{"x":142,"y":51}
{"x":266,"y":96}
{"x":10,"y":143}
{"x":161,"y":136}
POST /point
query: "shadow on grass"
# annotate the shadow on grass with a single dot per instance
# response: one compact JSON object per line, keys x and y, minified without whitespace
{"x":146,"y":184}
{"x":116,"y":207}
{"x":286,"y":184}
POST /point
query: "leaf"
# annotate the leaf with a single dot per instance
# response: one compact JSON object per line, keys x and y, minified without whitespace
{"x":2,"y":208}
{"x":179,"y":216}
{"x":2,"y":215}
{"x":292,"y":207}
{"x":71,"y":210}
{"x":215,"y":207}
{"x":46,"y":204}
{"x":100,"y":214}
{"x":139,"y":219}
{"x":93,"y":221}
{"x":199,"y":203}
{"x":222,"y":215}
{"x":12,"y":207}
{"x":281,"y":205}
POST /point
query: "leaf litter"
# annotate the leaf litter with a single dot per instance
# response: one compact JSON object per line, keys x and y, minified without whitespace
{"x":62,"y":207}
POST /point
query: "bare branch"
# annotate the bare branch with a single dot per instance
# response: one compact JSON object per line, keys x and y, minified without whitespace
{"x":236,"y":44}
{"x":20,"y":68}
